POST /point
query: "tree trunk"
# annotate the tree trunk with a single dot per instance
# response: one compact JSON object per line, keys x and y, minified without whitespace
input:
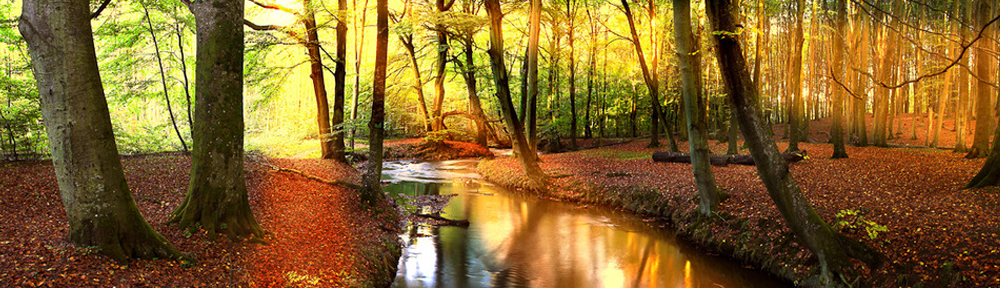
{"x":319,"y":84}
{"x":216,"y":199}
{"x":371,"y":192}
{"x":418,"y":82}
{"x":881,"y":103}
{"x":163,"y":78}
{"x":187,"y":92}
{"x":528,"y":159}
{"x":650,"y":77}
{"x":99,"y":206}
{"x":475,"y":106}
{"x":359,"y":36}
{"x":531,"y":67}
{"x":832,"y":249}
{"x":961,"y":109}
{"x":795,"y":113}
{"x":340,"y":85}
{"x":570,"y":15}
{"x":442,"y":60}
{"x":984,"y":111}
{"x":837,"y":131}
{"x":690,"y":66}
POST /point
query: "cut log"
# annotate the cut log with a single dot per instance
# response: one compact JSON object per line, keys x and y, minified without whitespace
{"x":444,"y":221}
{"x":724,"y":160}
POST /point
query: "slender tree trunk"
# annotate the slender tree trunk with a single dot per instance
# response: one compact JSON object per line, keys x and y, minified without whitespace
{"x":961,"y":109}
{"x":837,"y":133}
{"x":531,"y":67}
{"x":528,"y":160}
{"x":832,"y":249}
{"x":984,"y":111}
{"x":860,"y":109}
{"x":216,"y":199}
{"x":795,"y":113}
{"x":650,"y":77}
{"x":340,"y":85}
{"x":163,"y":78}
{"x":359,"y":35}
{"x":941,"y":106}
{"x":187,"y":92}
{"x":99,"y":206}
{"x":439,"y":66}
{"x":570,"y":15}
{"x":371,"y":192}
{"x":475,"y":106}
{"x":319,"y":84}
{"x":690,"y":66}
{"x":418,"y":82}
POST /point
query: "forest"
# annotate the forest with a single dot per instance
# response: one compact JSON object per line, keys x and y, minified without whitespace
{"x":497,"y":143}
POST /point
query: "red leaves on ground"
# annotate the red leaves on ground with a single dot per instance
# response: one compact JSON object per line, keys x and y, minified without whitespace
{"x":320,"y":234}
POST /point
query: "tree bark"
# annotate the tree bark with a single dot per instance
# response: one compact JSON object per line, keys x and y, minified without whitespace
{"x":319,"y":84}
{"x":570,"y":17}
{"x":795,"y":113}
{"x":216,"y":199}
{"x":984,"y":109}
{"x":371,"y":193}
{"x":831,"y":248}
{"x":340,"y":85}
{"x":531,"y":66}
{"x":690,"y":66}
{"x":418,"y":82}
{"x":359,"y":36}
{"x":526,"y":156}
{"x":99,"y":206}
{"x":961,"y":109}
{"x":442,"y":60}
{"x":837,"y":131}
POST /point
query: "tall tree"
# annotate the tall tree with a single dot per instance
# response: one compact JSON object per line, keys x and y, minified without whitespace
{"x":163,"y":77}
{"x":837,"y":67}
{"x":371,"y":192}
{"x":531,"y":69}
{"x":984,"y":109}
{"x":570,"y":27}
{"x":832,"y":249}
{"x":216,"y":198}
{"x":690,"y":66}
{"x":319,"y":83}
{"x":961,"y":109}
{"x":406,"y":38}
{"x":651,"y":78}
{"x":466,"y":36}
{"x":439,"y":66}
{"x":359,"y":38}
{"x":881,"y":102}
{"x":795,"y":84}
{"x":99,"y":206}
{"x":340,"y":84}
{"x":527,"y":157}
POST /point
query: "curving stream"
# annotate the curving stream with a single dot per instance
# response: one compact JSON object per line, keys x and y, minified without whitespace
{"x":517,"y":240}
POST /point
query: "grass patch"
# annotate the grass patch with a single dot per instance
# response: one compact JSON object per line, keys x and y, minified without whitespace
{"x":616,"y":155}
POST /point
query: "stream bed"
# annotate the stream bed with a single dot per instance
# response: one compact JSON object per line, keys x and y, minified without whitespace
{"x":518,"y":240}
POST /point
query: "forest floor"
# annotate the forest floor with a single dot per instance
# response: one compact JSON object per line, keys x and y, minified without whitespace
{"x":320,"y":235}
{"x":937,"y":233}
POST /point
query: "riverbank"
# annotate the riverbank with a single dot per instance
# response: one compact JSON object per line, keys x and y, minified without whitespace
{"x":321,"y":236}
{"x":937,"y":235}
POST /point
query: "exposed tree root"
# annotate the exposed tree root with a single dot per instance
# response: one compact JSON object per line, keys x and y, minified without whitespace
{"x":315,"y":178}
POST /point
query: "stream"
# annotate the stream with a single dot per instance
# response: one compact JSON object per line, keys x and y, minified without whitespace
{"x":518,"y":240}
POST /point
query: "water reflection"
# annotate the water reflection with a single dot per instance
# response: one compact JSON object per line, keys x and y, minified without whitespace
{"x":521,"y":241}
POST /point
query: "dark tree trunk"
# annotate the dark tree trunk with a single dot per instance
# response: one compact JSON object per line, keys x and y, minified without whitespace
{"x":99,"y":206}
{"x":650,"y":77}
{"x":340,"y":85}
{"x":372,"y":193}
{"x":439,"y":66}
{"x":832,"y":249}
{"x":570,"y":15}
{"x":216,"y":199}
{"x":526,"y":156}
{"x":837,"y":131}
{"x":690,"y":66}
{"x":187,"y":92}
{"x":163,"y":79}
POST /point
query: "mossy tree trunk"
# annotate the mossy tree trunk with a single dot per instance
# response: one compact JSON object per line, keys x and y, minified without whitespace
{"x":99,"y":206}
{"x":833,"y":250}
{"x":690,"y":66}
{"x":216,"y":199}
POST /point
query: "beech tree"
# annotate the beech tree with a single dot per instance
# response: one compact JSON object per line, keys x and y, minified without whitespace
{"x":371,"y":192}
{"x":527,"y":157}
{"x":99,"y":205}
{"x":690,"y":66}
{"x":216,"y":198}
{"x":833,"y":250}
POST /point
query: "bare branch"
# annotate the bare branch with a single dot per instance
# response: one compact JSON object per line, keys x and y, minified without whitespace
{"x":274,"y":6}
{"x":99,"y":9}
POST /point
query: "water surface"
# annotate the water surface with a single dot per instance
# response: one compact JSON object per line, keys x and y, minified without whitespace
{"x":518,"y":240}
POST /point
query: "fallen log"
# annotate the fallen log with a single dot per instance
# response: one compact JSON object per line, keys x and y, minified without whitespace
{"x":724,"y":160}
{"x":444,"y":221}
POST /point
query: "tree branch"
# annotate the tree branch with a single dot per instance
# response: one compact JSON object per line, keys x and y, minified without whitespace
{"x":100,"y":9}
{"x":273,"y":6}
{"x":254,"y":26}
